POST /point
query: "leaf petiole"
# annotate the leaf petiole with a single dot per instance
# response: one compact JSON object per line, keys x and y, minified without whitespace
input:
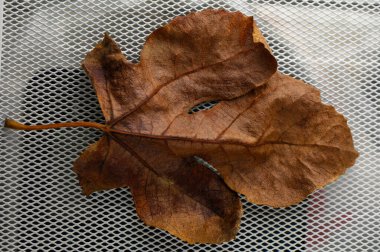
{"x":10,"y":123}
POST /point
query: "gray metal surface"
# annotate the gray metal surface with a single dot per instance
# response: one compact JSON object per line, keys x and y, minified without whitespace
{"x":334,"y":45}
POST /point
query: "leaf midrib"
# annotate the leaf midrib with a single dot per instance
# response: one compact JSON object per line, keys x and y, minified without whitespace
{"x":220,"y":141}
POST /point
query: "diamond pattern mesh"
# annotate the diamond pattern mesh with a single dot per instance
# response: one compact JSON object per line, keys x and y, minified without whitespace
{"x":333,"y":45}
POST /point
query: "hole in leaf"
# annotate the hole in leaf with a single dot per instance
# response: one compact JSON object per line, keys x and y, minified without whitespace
{"x":203,"y":106}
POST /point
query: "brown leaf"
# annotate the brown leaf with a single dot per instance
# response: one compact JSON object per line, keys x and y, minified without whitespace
{"x":270,"y":137}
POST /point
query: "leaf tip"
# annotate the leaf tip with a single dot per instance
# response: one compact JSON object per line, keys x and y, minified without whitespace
{"x":107,"y":40}
{"x":107,"y":36}
{"x":107,"y":44}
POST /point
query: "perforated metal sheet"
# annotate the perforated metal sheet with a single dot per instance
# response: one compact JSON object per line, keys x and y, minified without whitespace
{"x":333,"y":45}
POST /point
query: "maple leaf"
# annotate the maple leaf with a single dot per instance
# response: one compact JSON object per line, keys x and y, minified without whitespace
{"x":270,"y":137}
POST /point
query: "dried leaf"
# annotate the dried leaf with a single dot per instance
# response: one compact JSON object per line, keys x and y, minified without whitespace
{"x":270,"y":137}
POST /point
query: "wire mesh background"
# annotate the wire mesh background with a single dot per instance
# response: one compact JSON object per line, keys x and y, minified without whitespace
{"x":333,"y":45}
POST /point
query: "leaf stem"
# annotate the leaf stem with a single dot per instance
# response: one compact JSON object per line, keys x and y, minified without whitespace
{"x":9,"y":123}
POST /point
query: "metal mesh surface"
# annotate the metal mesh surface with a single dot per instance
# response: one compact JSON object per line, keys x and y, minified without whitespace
{"x":333,"y":45}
